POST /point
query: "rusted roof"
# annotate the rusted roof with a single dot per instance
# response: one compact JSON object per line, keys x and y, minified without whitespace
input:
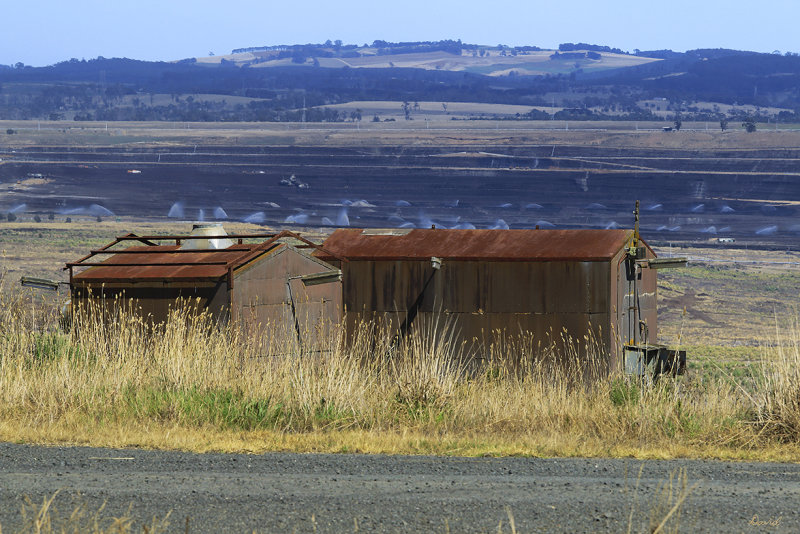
{"x":482,"y":245}
{"x":170,"y":263}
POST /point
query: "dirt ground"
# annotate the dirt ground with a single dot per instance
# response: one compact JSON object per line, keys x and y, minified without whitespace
{"x":438,"y":130}
{"x":731,"y":297}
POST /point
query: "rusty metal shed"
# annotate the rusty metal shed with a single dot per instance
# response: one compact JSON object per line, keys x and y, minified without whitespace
{"x":272,"y":283}
{"x":484,"y":282}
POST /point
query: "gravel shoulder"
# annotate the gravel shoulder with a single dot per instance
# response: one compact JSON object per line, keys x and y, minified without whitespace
{"x":341,"y":493}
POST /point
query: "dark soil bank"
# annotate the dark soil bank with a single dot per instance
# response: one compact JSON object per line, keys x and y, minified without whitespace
{"x":334,"y":493}
{"x":687,"y":195}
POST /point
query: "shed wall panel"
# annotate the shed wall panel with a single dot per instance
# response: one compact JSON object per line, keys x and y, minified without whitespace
{"x":153,"y":302}
{"x":513,"y":308}
{"x":261,"y":296}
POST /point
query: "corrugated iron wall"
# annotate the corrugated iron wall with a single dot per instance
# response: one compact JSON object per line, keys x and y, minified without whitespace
{"x":153,"y":302}
{"x":479,"y":299}
{"x":261,"y":298}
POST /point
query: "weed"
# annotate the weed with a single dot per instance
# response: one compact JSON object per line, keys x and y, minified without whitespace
{"x":45,"y":518}
{"x":624,"y":392}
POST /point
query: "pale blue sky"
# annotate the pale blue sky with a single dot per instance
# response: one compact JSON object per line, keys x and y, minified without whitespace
{"x":42,"y":32}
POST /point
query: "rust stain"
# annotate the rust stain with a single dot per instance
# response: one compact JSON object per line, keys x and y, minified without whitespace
{"x":477,"y":245}
{"x":168,"y":263}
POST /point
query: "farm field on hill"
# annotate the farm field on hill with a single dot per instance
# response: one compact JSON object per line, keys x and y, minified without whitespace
{"x":495,"y":63}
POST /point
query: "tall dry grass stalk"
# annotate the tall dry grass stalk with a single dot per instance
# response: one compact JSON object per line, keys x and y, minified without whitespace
{"x":46,"y":518}
{"x":115,"y":368}
{"x":777,"y":395}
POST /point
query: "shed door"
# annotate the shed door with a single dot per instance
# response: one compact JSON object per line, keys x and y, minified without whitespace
{"x":315,"y":312}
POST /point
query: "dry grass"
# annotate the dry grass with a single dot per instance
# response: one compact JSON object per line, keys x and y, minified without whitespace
{"x":189,"y":385}
{"x":666,"y":505}
{"x":45,"y":518}
{"x":778,"y":392}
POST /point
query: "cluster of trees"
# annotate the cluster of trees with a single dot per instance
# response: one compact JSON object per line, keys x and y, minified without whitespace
{"x":447,"y":45}
{"x":327,"y":46}
{"x":11,"y":217}
{"x":568,"y":47}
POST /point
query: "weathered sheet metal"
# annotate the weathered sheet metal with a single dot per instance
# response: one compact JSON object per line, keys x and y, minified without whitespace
{"x":562,"y":287}
{"x":172,"y":263}
{"x":476,"y":298}
{"x":487,"y":245}
{"x":263,"y":285}
{"x":153,"y":302}
{"x":164,"y":263}
{"x":273,"y":293}
{"x":473,"y":286}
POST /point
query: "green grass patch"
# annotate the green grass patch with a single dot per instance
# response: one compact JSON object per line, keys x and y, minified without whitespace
{"x":624,"y":392}
{"x":221,"y":408}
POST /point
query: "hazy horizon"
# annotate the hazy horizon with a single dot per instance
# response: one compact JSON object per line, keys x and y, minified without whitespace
{"x":39,"y":33}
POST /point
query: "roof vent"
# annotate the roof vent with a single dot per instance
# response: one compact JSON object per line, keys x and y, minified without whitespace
{"x":205,"y":230}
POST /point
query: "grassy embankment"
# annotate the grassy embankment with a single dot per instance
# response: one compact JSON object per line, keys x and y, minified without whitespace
{"x":188,"y":385}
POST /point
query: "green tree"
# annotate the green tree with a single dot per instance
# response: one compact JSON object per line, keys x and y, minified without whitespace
{"x":723,"y":123}
{"x":749,"y":124}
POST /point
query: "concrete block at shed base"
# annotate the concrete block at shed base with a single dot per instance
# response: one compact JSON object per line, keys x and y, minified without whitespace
{"x":653,"y":360}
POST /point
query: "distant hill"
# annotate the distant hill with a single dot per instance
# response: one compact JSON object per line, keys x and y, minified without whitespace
{"x":441,"y":55}
{"x":316,"y":82}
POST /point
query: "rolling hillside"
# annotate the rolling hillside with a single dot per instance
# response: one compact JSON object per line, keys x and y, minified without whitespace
{"x":320,"y":83}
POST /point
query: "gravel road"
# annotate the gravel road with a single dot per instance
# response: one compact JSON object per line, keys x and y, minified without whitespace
{"x":342,"y":493}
